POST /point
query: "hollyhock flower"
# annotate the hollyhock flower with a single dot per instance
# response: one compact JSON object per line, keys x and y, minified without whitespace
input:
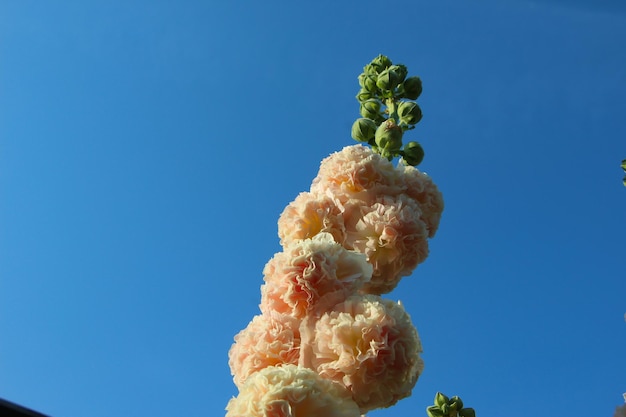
{"x":290,"y":391}
{"x":356,"y":172}
{"x":369,"y":345}
{"x":268,"y":340}
{"x":312,"y":275}
{"x":394,"y":239}
{"x":309,"y":215}
{"x":421,"y":188}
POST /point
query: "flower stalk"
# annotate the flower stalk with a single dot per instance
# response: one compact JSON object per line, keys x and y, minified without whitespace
{"x":326,"y":341}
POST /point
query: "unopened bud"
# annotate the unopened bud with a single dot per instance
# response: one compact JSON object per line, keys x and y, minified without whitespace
{"x":409,"y":112}
{"x":363,"y":130}
{"x":364,"y":95}
{"x":440,"y":399}
{"x":401,"y":71}
{"x":388,"y":138}
{"x":387,"y":80}
{"x":369,"y":83}
{"x":413,"y":154}
{"x":380,"y":63}
{"x":370,"y":109}
{"x":412,"y":88}
{"x":455,"y":402}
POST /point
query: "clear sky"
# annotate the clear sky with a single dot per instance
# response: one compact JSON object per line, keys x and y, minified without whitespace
{"x":147,"y":149}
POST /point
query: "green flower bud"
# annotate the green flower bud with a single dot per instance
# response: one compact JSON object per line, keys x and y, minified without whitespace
{"x":369,"y":83}
{"x":364,"y":95}
{"x":363,"y":130}
{"x":434,"y":411}
{"x":380,"y":63}
{"x":467,"y":412}
{"x":440,"y":399}
{"x":387,"y":80}
{"x":455,"y":402}
{"x":370,"y":109}
{"x":369,"y":69}
{"x":412,"y":88}
{"x":401,"y":70}
{"x":413,"y":154}
{"x":624,"y":165}
{"x":388,"y":138}
{"x":409,"y":112}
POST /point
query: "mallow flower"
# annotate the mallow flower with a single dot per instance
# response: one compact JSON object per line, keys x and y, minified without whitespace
{"x":291,"y":391}
{"x":369,"y":345}
{"x":312,"y":275}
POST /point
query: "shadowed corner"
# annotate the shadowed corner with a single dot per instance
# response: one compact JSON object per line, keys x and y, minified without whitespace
{"x":9,"y":409}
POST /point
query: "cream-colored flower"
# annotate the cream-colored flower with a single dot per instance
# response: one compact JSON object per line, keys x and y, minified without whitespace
{"x":309,"y":215}
{"x":290,"y":391}
{"x":422,"y":189}
{"x":312,"y":275}
{"x":356,"y":172}
{"x":268,"y":340}
{"x":392,"y":235}
{"x":369,"y":345}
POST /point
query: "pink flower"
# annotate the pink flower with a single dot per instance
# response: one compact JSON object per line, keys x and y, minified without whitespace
{"x":392,"y":236}
{"x":269,"y":339}
{"x":309,"y":215}
{"x":422,"y":189}
{"x":290,"y":391}
{"x":356,"y":172}
{"x":311,"y":276}
{"x":369,"y":345}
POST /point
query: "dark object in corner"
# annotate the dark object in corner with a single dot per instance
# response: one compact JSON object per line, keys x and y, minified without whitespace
{"x":8,"y":409}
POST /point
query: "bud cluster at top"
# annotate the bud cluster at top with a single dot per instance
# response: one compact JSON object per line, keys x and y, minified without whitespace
{"x":388,"y":109}
{"x":449,"y":407}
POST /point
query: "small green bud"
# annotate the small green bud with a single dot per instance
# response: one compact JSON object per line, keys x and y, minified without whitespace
{"x":467,"y":412}
{"x":434,"y":411}
{"x":387,"y":80}
{"x":409,"y":112}
{"x":370,"y":109}
{"x":413,"y":154}
{"x":446,"y":410}
{"x":624,"y":165}
{"x":369,"y":69}
{"x":388,"y":138}
{"x":363,"y":130}
{"x":455,"y":401}
{"x":369,"y":83}
{"x":412,"y":88}
{"x":401,"y":71}
{"x":361,"y":78}
{"x":364,"y":95}
{"x":380,"y":63}
{"x":440,"y":399}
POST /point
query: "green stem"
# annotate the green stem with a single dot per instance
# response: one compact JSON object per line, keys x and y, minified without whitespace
{"x":392,"y":108}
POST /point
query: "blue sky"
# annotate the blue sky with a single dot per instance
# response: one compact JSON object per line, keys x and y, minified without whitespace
{"x":147,"y":149}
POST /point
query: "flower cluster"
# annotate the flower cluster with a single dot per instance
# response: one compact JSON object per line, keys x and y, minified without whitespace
{"x":326,"y":342}
{"x":369,"y":206}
